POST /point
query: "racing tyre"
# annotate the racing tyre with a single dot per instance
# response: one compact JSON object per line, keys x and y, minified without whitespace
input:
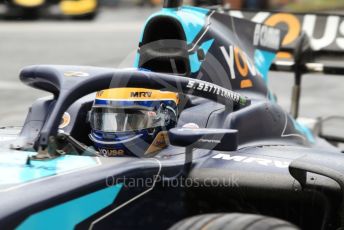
{"x":235,"y":221}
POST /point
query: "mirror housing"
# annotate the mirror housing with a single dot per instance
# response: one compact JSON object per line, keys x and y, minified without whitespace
{"x":212,"y":139}
{"x":202,"y":138}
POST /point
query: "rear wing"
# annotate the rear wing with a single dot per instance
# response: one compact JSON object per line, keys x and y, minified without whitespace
{"x":314,"y":43}
{"x":322,"y":53}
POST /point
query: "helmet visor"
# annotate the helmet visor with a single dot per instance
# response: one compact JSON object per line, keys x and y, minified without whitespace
{"x":119,"y":120}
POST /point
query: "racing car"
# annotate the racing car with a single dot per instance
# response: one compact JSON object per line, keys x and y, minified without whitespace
{"x":31,"y":9}
{"x":235,"y":158}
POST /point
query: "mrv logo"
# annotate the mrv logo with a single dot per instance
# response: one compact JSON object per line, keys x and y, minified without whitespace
{"x":252,"y":160}
{"x":141,"y":94}
{"x":325,"y":32}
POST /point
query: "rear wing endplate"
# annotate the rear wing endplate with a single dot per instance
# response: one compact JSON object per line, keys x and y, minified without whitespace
{"x":325,"y":40}
{"x":314,"y":43}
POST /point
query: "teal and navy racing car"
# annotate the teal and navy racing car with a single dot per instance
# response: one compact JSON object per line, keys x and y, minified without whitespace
{"x":234,"y":158}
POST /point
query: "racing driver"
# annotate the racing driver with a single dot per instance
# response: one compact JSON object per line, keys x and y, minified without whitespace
{"x":132,"y":121}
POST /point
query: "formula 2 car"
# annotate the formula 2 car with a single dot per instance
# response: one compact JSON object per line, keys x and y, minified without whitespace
{"x":235,"y":155}
{"x":31,"y":9}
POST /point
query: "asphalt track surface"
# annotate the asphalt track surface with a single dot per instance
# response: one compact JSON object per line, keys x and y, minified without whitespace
{"x":111,"y":41}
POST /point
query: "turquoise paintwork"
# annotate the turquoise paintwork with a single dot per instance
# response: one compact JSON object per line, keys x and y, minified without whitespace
{"x":137,"y":60}
{"x":13,"y":168}
{"x":192,"y":19}
{"x":304,"y":130}
{"x":195,"y":64}
{"x":67,"y":215}
{"x":263,"y":60}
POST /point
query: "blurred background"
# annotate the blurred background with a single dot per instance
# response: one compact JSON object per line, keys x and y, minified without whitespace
{"x":106,"y":33}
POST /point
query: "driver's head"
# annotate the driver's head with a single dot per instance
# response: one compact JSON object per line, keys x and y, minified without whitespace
{"x":132,"y":121}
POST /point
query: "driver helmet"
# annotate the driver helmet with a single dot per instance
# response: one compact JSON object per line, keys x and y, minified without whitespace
{"x":132,"y":121}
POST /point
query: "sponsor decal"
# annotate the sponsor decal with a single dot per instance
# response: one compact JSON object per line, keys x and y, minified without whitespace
{"x":65,"y":121}
{"x":212,"y":141}
{"x":112,"y":152}
{"x":266,"y":37}
{"x":325,"y":32}
{"x":160,"y":142}
{"x":253,"y":160}
{"x":141,"y":94}
{"x":236,"y":59}
{"x":211,"y":88}
{"x":76,"y":74}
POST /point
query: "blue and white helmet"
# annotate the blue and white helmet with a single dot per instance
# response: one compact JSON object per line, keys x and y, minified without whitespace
{"x":132,"y":121}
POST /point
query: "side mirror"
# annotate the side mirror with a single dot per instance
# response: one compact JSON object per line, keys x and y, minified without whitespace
{"x":332,"y":129}
{"x":213,"y":139}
